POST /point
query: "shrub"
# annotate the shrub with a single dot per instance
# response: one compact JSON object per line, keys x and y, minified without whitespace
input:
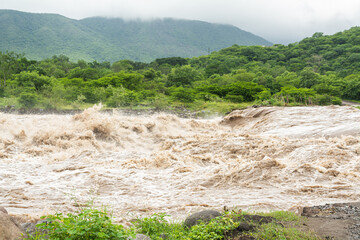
{"x":89,"y":224}
{"x":208,"y":97}
{"x":336,"y":101}
{"x":263,"y":95}
{"x":327,"y":100}
{"x":156,"y":225}
{"x":185,"y":95}
{"x":215,"y":229}
{"x":27,"y":99}
{"x":86,"y":224}
{"x":122,"y":98}
{"x":160,"y":102}
{"x":234,"y":98}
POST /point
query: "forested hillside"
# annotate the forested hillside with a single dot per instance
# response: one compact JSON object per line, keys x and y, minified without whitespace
{"x":41,"y":36}
{"x":317,"y":70}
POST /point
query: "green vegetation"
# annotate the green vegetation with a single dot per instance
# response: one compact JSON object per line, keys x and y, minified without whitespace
{"x":298,"y":74}
{"x":86,"y":224}
{"x":90,"y":223}
{"x":40,"y":36}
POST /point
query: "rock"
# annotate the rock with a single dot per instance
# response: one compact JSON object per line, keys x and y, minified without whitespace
{"x":31,"y":229}
{"x":334,"y":221}
{"x":164,"y":236}
{"x":237,"y":232}
{"x":9,"y":229}
{"x":244,"y":227}
{"x":258,"y":219}
{"x":245,"y":237}
{"x":140,"y":237}
{"x":2,"y":209}
{"x":203,"y":216}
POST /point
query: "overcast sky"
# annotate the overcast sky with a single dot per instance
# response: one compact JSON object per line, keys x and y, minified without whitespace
{"x":279,"y":21}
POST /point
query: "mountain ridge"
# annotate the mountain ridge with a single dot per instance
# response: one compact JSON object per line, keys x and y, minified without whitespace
{"x":42,"y":35}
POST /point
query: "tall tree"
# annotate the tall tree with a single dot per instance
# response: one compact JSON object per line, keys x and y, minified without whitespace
{"x":8,"y":65}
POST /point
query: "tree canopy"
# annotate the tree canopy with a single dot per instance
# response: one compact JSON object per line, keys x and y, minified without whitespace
{"x":317,"y":70}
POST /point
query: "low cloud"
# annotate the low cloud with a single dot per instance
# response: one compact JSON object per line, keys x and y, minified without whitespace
{"x":279,"y":21}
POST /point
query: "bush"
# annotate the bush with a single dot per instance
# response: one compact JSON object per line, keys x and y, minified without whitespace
{"x":89,"y":224}
{"x":215,"y":229}
{"x":156,"y":225}
{"x":336,"y":101}
{"x":263,"y":95}
{"x":160,"y":102}
{"x":86,"y":224}
{"x":234,"y":98}
{"x":208,"y":97}
{"x":327,"y":100}
{"x":123,"y":98}
{"x":185,"y":95}
{"x":27,"y":99}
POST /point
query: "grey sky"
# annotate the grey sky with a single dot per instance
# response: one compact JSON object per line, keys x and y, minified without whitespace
{"x":279,"y":21}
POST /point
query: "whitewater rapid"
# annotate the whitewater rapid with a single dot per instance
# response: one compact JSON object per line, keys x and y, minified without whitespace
{"x":256,"y":159}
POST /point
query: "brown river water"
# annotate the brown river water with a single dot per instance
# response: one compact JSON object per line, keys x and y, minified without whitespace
{"x":258,"y":159}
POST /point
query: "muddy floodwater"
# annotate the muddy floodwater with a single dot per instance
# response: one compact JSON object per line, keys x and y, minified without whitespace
{"x":264,"y":159}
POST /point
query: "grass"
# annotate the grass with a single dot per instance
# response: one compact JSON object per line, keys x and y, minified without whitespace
{"x":284,"y":216}
{"x":220,"y":108}
{"x":5,"y":102}
{"x":200,"y":108}
{"x":90,"y":223}
{"x":273,"y":231}
{"x":357,"y":101}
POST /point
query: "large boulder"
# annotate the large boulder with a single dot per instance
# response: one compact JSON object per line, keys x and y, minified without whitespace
{"x":203,"y":216}
{"x":9,"y":229}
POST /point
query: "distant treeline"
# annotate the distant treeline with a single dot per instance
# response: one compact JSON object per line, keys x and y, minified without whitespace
{"x":317,"y":70}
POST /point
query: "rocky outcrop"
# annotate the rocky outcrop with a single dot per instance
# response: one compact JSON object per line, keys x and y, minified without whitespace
{"x":203,"y":216}
{"x":9,"y":229}
{"x":334,"y":221}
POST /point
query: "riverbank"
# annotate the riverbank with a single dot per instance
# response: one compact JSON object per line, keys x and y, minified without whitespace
{"x":331,"y":221}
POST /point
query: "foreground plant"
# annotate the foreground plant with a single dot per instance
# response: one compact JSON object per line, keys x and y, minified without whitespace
{"x":86,"y":224}
{"x":89,"y":223}
{"x":156,"y":226}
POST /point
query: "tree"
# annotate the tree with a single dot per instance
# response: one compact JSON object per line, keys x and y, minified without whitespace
{"x":352,"y":89}
{"x":308,"y":78}
{"x":122,"y":65}
{"x":123,"y":97}
{"x":185,"y":95}
{"x":317,"y":34}
{"x":8,"y":65}
{"x":173,"y":61}
{"x":182,"y":76}
{"x":32,"y":79}
{"x":84,"y":73}
{"x":248,"y":90}
{"x":216,"y":67}
{"x":285,"y":79}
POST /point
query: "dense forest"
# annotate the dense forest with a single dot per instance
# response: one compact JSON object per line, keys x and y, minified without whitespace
{"x":318,"y":70}
{"x":41,"y":36}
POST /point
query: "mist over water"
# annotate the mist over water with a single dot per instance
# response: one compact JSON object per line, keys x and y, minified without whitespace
{"x":259,"y":159}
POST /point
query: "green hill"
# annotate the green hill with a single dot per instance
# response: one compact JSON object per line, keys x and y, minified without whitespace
{"x":110,"y":39}
{"x":318,"y":70}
